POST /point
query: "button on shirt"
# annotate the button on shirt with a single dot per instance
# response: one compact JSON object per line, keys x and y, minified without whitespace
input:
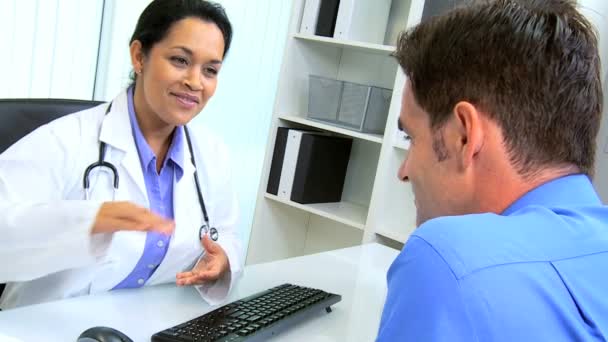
{"x":160,"y":195}
{"x":538,"y":272}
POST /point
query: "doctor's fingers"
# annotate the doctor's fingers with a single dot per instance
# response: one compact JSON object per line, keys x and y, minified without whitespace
{"x":198,"y":277}
{"x":133,"y":225}
{"x":150,"y":221}
{"x":210,"y":246}
{"x":115,"y":216}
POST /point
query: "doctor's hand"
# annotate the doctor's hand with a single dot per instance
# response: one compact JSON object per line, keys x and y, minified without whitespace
{"x":115,"y":216}
{"x":211,"y":267}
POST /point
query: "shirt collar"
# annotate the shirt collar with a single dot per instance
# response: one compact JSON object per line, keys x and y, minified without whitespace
{"x":146,"y":155}
{"x":563,"y":191}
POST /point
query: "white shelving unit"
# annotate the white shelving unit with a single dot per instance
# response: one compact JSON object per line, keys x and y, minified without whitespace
{"x":350,"y":214}
{"x":376,"y":205}
{"x":400,"y":141}
{"x":348,"y":44}
{"x":377,"y":138}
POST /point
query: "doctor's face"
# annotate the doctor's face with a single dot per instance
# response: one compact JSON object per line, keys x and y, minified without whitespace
{"x":179,"y":74}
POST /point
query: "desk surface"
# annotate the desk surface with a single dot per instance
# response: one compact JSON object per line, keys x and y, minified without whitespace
{"x":357,"y":273}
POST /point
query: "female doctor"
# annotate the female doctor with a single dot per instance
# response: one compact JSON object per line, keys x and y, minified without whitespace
{"x":64,"y":238}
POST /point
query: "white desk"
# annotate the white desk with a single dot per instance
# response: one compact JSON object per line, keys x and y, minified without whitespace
{"x":357,"y":273}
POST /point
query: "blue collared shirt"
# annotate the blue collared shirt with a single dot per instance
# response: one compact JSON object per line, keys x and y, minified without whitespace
{"x":159,"y":187}
{"x":538,"y":272}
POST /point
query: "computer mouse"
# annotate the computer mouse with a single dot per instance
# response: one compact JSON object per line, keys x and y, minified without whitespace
{"x":103,"y":334}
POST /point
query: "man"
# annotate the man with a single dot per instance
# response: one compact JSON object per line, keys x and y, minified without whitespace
{"x":502,"y":105}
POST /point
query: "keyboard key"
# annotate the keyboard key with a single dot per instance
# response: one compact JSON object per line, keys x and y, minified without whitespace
{"x":171,"y":333}
{"x":253,"y":318}
{"x":231,"y":311}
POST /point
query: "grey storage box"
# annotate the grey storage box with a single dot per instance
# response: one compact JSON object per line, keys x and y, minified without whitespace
{"x":349,"y":105}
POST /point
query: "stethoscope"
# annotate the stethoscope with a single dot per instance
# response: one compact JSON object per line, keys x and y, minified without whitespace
{"x":205,"y":229}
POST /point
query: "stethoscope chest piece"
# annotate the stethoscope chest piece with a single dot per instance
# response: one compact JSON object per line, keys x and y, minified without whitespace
{"x":205,"y":230}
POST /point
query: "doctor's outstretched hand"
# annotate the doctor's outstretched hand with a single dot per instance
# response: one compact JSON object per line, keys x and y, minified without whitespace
{"x":211,"y":267}
{"x":115,"y":216}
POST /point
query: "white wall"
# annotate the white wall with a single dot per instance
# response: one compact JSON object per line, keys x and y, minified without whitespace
{"x":114,"y":63}
{"x":597,"y":12}
{"x":601,"y":170}
{"x":242,"y":106}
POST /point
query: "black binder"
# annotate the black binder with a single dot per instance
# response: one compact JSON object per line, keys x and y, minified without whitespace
{"x":320,"y":169}
{"x":274,"y":177}
{"x":326,"y":21}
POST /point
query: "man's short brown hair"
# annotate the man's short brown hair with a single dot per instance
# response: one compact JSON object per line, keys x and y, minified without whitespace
{"x":532,"y":66}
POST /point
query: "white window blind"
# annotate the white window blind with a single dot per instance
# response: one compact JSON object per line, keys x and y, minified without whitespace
{"x":49,"y":48}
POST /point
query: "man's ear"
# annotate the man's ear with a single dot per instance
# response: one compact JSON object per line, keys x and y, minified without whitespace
{"x":469,"y":132}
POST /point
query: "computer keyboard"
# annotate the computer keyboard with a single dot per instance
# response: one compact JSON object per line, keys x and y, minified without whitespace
{"x":254,"y":318}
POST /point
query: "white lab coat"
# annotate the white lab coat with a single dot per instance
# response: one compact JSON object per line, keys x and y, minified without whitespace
{"x":47,"y":250}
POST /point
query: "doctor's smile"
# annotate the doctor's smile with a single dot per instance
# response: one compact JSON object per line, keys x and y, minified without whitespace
{"x":187,"y":101}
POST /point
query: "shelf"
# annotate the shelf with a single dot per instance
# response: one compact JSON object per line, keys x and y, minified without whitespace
{"x":399,"y":237}
{"x":377,"y":138}
{"x":348,"y":44}
{"x":405,"y":145}
{"x":344,"y":212}
{"x":399,"y":140}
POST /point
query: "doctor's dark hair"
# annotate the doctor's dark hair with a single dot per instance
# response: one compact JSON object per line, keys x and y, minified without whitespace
{"x":531,"y":66}
{"x":159,"y":16}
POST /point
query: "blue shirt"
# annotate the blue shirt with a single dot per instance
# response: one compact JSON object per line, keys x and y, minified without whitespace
{"x":538,"y":272}
{"x":159,"y":187}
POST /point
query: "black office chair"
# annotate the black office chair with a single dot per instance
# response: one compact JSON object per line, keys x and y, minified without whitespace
{"x":18,"y":117}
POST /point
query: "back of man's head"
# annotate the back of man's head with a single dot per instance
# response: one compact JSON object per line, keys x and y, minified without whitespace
{"x":531,"y":65}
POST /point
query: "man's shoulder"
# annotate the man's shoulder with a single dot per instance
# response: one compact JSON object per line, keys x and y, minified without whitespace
{"x":470,"y":243}
{"x":463,"y":241}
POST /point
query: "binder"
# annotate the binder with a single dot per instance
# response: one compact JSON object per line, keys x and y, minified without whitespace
{"x":326,"y":20}
{"x":276,"y":165}
{"x":308,"y":167}
{"x":362,"y":20}
{"x":309,"y":17}
{"x":290,"y":163}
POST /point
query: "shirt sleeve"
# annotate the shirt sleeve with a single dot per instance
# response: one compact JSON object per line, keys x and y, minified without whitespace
{"x":42,"y":231}
{"x":424,"y":302}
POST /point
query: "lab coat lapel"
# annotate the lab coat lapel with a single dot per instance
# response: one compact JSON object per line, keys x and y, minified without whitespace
{"x":116,"y":132}
{"x":185,"y":204}
{"x":184,"y":248}
{"x":127,"y":246}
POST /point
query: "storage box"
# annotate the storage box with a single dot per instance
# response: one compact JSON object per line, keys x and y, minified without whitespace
{"x":349,"y":105}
